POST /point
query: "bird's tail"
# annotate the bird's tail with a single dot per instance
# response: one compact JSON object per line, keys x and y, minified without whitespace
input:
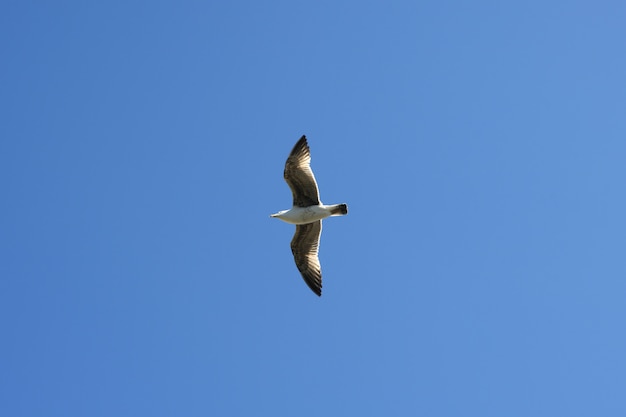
{"x":339,"y":210}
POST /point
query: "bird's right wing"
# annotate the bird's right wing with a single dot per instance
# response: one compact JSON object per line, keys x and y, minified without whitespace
{"x":305,"y":246}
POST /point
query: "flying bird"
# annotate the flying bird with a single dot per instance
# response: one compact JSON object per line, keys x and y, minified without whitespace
{"x":307,"y":214}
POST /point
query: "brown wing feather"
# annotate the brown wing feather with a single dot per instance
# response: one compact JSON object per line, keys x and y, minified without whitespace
{"x":299,"y":176}
{"x":305,"y":246}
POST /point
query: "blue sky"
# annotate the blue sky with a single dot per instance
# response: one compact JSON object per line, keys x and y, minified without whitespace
{"x":479,"y":145}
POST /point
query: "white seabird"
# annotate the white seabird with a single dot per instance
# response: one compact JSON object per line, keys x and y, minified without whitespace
{"x":307,"y":214}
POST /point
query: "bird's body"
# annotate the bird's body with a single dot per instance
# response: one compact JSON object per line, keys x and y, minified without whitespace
{"x":310,"y":214}
{"x":307,"y":214}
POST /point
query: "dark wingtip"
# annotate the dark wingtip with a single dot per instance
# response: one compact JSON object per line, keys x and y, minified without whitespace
{"x":314,"y":285}
{"x":315,"y":288}
{"x":300,"y":146}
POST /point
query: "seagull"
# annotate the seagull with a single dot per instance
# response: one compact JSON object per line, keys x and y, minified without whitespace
{"x":307,"y":214}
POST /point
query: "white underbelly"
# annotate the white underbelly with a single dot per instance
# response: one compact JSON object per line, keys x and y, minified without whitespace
{"x":303,"y":215}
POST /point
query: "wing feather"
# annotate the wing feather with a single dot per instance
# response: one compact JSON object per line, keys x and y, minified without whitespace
{"x":299,"y":175}
{"x":305,"y":247}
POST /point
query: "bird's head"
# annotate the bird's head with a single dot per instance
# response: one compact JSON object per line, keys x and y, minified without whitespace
{"x":280,"y":213}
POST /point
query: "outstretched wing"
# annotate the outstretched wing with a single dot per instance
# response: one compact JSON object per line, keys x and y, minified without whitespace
{"x":305,"y":246}
{"x":299,"y":176}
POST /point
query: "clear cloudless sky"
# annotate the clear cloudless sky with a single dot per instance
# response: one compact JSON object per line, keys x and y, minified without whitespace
{"x":480,"y":147}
